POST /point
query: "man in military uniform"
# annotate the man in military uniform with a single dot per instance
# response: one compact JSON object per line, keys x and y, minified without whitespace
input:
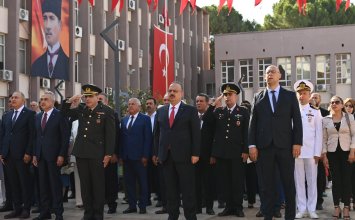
{"x":94,"y":145}
{"x":230,"y":147}
{"x":306,"y":163}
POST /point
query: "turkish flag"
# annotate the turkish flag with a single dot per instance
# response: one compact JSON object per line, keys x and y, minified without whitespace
{"x":163,"y":68}
{"x":91,"y":2}
{"x":257,"y":2}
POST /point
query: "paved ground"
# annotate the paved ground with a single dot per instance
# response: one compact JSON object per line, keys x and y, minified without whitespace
{"x":72,"y":213}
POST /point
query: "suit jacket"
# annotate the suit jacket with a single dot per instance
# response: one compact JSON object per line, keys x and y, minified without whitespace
{"x":207,"y":133}
{"x":53,"y":141}
{"x":183,"y":138}
{"x":96,"y":132}
{"x":283,"y":127}
{"x":61,"y":68}
{"x":331,"y":135}
{"x":17,"y":138}
{"x":136,"y":142}
{"x":231,"y":131}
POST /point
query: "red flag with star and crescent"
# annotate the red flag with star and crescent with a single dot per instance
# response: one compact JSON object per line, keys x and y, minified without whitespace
{"x":163,"y":68}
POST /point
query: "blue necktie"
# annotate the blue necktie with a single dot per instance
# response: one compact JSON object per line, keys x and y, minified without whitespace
{"x":14,"y":118}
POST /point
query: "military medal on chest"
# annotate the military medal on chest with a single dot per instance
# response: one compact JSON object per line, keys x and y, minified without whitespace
{"x":238,"y":116}
{"x":309,"y":116}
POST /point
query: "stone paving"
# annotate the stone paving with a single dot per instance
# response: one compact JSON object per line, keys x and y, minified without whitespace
{"x":73,"y":213}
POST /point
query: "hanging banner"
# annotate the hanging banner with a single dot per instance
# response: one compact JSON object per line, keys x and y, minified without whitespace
{"x":163,"y":68}
{"x":50,"y":39}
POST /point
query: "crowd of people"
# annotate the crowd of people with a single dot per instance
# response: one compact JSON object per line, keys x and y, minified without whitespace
{"x":282,"y":147}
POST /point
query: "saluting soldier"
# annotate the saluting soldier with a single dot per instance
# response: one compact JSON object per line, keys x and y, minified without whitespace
{"x":230,"y":147}
{"x":93,"y":147}
{"x":306,"y":163}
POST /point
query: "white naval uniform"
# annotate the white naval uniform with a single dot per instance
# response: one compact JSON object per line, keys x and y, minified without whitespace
{"x":305,"y":166}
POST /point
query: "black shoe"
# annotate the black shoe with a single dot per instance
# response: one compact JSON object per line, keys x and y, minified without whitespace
{"x":277,"y":214}
{"x":6,"y":208}
{"x":159,"y":204}
{"x":210,"y":212}
{"x":25,"y":214}
{"x":42,"y":217}
{"x":12,"y":214}
{"x":111,"y":211}
{"x":225,"y":212}
{"x":142,"y":211}
{"x":80,"y":206}
{"x":130,"y":210}
{"x":319,"y":207}
{"x":240,"y":213}
{"x":259,"y":214}
{"x":36,"y":210}
{"x":161,"y":211}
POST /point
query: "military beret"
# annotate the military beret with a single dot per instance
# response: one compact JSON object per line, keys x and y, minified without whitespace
{"x":230,"y":87}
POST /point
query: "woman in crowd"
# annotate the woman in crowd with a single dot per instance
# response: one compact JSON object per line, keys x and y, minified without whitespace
{"x":339,"y":152}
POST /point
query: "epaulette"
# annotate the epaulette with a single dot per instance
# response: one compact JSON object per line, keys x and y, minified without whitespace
{"x":314,"y":107}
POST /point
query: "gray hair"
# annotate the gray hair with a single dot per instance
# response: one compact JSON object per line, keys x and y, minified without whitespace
{"x":51,"y":95}
{"x":137,"y":101}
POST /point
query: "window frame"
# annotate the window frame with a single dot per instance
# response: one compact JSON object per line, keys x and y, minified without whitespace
{"x":261,"y":73}
{"x":225,"y":78}
{"x":326,"y":69}
{"x":347,"y":78}
{"x":247,"y":82}
{"x":302,"y":69}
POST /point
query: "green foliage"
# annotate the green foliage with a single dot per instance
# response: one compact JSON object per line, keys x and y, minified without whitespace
{"x":227,"y":24}
{"x":142,"y":95}
{"x":318,"y":13}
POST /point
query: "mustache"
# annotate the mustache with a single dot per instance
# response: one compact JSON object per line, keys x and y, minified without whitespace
{"x":172,"y":96}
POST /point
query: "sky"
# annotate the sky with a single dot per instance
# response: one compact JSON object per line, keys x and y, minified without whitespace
{"x":247,"y":8}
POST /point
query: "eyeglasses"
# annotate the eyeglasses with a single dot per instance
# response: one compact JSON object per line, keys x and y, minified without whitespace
{"x":349,"y":106}
{"x":337,"y":102}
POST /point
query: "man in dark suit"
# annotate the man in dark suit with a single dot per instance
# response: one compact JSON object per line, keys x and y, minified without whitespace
{"x":135,"y":150}
{"x":204,"y":168}
{"x":230,"y":147}
{"x":321,"y":176}
{"x":50,"y":150}
{"x":17,"y":132}
{"x":93,"y":148}
{"x":177,"y":139}
{"x":54,"y":63}
{"x":111,"y":173}
{"x":275,"y":139}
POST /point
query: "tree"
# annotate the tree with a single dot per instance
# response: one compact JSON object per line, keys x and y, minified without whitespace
{"x":318,"y":13}
{"x":225,"y":23}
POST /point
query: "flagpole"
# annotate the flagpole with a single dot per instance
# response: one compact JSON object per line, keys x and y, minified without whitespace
{"x":166,"y":43}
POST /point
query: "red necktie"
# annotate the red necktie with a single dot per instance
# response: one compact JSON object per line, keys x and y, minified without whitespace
{"x":172,"y":116}
{"x":44,"y":121}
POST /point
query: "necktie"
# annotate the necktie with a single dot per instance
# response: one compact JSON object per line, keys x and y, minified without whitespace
{"x":50,"y":64}
{"x":172,"y":116}
{"x":14,"y":118}
{"x":44,"y":121}
{"x":201,"y":121}
{"x":131,"y":122}
{"x":273,"y":99}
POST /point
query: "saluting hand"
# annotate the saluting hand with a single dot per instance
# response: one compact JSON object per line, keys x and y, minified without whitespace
{"x":253,"y":154}
{"x":296,"y":150}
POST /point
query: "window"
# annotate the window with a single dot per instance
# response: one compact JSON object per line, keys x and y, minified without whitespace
{"x":22,"y":56}
{"x":23,"y":4}
{"x":210,"y":89}
{"x":343,"y":68}
{"x":2,"y":106}
{"x":227,"y":71}
{"x":2,"y":3}
{"x":285,"y":63}
{"x":262,"y":65}
{"x":76,"y":12}
{"x":91,"y":27}
{"x":76,"y":67}
{"x":91,"y":69}
{"x":2,"y":52}
{"x":246,"y":71}
{"x":323,"y":69}
{"x":303,"y":67}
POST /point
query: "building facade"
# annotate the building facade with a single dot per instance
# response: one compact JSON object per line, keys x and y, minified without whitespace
{"x":323,"y":55}
{"x":92,"y":60}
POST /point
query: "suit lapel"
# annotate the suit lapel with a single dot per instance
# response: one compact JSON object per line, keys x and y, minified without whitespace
{"x":50,"y":119}
{"x":179,"y":113}
{"x":19,"y":117}
{"x":265,"y":100}
{"x":280,"y":98}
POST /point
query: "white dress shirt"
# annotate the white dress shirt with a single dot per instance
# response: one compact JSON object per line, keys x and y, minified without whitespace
{"x":176,"y":109}
{"x":130,"y":118}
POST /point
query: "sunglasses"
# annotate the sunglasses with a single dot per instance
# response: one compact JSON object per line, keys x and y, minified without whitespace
{"x":337,"y":102}
{"x":349,"y":106}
